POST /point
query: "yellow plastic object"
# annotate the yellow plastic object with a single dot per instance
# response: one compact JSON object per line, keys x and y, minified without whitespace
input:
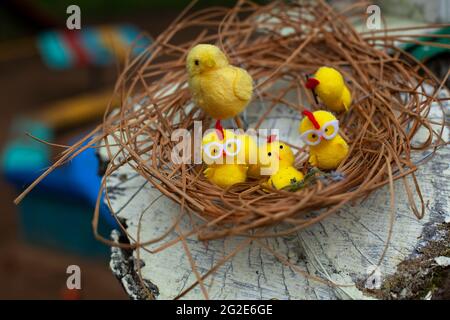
{"x":81,"y":109}
{"x":112,"y":40}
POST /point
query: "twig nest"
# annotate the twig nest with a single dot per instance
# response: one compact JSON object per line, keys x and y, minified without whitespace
{"x":279,"y":44}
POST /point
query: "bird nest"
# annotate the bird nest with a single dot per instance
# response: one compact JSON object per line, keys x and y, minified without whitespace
{"x":279,"y":44}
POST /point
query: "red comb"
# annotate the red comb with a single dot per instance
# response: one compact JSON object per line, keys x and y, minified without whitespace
{"x":219,"y":130}
{"x":271,"y":138}
{"x":311,"y":118}
{"x":311,"y":83}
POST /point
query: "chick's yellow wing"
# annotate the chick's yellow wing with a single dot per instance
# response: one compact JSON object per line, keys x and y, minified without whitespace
{"x":346,"y":98}
{"x":209,"y":172}
{"x":243,"y":84}
{"x":196,"y":90}
{"x":313,"y":160}
{"x":341,"y":149}
{"x":343,"y":146}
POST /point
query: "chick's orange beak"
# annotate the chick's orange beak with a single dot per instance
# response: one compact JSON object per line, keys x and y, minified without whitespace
{"x":312,"y":83}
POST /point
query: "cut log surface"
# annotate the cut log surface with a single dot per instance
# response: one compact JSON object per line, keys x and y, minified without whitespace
{"x":345,"y":248}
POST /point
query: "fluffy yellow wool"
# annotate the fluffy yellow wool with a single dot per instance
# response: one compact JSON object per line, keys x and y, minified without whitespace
{"x":271,"y":156}
{"x":285,"y":176}
{"x":220,"y":89}
{"x":212,"y":136}
{"x":277,"y":160}
{"x":332,"y":90}
{"x":226,"y":175}
{"x":328,"y":154}
{"x":228,"y":169}
{"x":250,"y":148}
{"x":274,"y":155}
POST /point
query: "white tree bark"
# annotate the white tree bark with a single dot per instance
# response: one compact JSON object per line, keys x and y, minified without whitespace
{"x":344,"y":248}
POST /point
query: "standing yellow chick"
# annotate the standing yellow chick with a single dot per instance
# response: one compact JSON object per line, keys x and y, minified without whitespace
{"x":329,"y":85}
{"x":224,"y":154}
{"x":320,"y":130}
{"x":220,"y":89}
{"x":277,"y":160}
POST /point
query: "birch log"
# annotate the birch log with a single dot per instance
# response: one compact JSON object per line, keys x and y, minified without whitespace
{"x":344,"y":248}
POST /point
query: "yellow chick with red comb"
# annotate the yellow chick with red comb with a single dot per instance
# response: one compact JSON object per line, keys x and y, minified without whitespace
{"x":225,"y":156}
{"x":277,"y":160}
{"x":220,"y":89}
{"x":320,"y":130}
{"x":329,"y":85}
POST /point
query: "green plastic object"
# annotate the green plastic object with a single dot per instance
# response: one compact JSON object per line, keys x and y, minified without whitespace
{"x":427,"y":52}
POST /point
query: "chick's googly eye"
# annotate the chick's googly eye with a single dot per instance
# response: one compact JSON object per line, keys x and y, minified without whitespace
{"x":269,"y":154}
{"x":281,"y":146}
{"x":232,"y":147}
{"x":330,"y":129}
{"x":311,"y":137}
{"x":213,"y":150}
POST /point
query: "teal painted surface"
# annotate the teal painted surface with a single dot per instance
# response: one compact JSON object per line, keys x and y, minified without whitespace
{"x":54,"y":51}
{"x":426,"y":52}
{"x":22,"y":151}
{"x":60,"y":223}
{"x":58,"y":212}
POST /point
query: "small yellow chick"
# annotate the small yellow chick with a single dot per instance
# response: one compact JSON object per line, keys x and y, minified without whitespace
{"x":329,"y":85}
{"x":220,"y":89}
{"x":271,"y":156}
{"x":320,"y":130}
{"x":224,"y":155}
{"x":285,"y":176}
{"x":277,"y":160}
{"x":226,"y":175}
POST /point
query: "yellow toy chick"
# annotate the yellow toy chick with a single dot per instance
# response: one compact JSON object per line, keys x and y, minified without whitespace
{"x":320,"y":130}
{"x":285,"y":176}
{"x":220,"y":89}
{"x":224,"y":155}
{"x":329,"y":85}
{"x":277,"y":160}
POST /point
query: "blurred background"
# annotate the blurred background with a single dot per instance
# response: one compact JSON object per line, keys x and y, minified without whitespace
{"x":55,"y":84}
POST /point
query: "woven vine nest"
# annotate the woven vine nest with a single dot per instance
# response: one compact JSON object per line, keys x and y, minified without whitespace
{"x":278,"y":44}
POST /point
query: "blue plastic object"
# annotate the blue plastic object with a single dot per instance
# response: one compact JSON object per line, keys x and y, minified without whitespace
{"x":55,"y":53}
{"x":58,"y":212}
